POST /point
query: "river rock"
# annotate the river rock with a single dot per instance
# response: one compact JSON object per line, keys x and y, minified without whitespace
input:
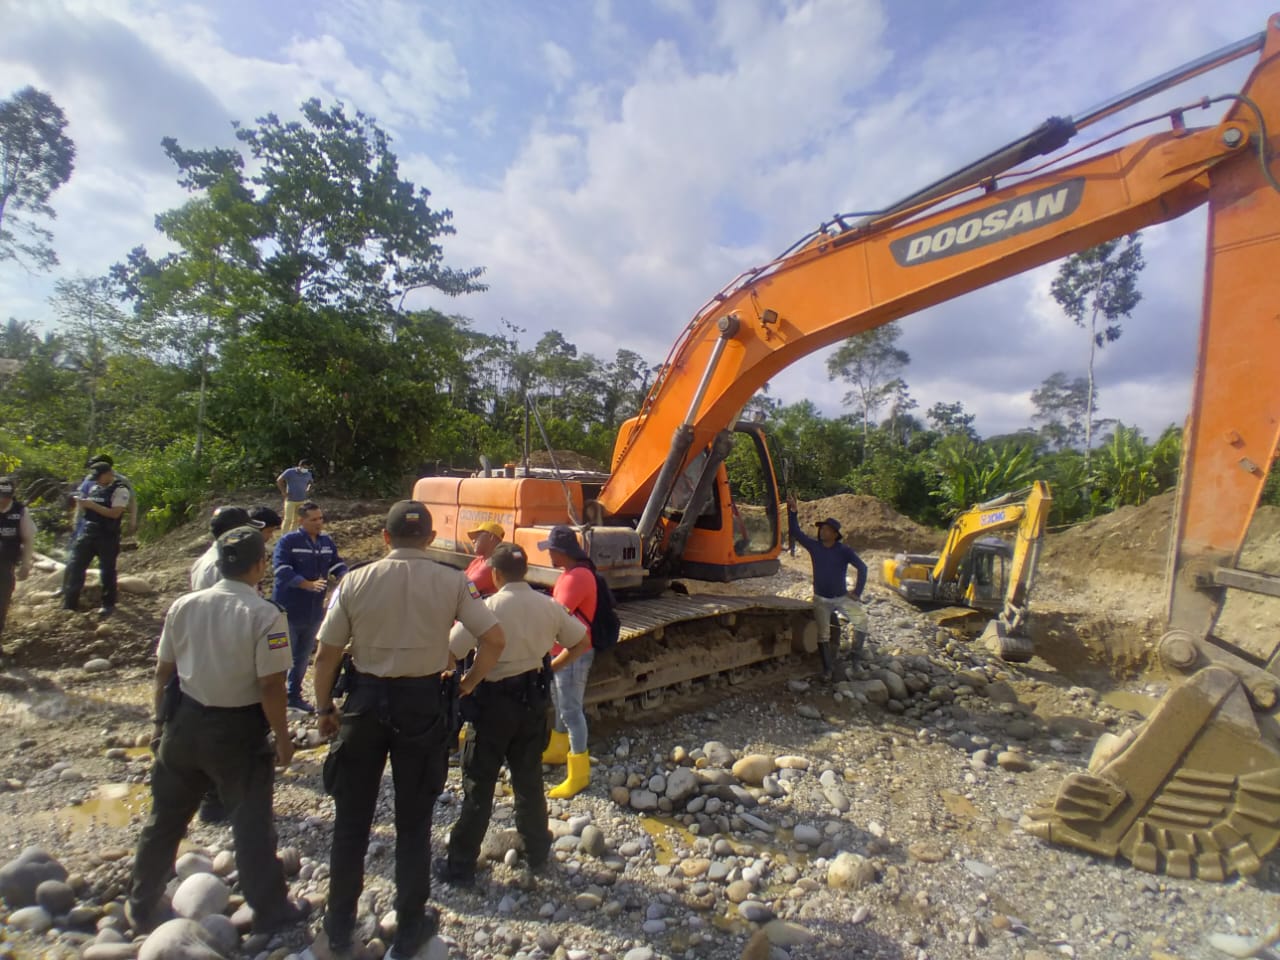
{"x":200,"y":895}
{"x":55,"y":896}
{"x":873,"y":691}
{"x":190,"y":864}
{"x":644,"y":800}
{"x":717,"y":753}
{"x":110,"y":951}
{"x":31,"y":919}
{"x":791,"y":762}
{"x":807,"y":834}
{"x":850,"y":871}
{"x":1013,"y":762}
{"x":925,"y":852}
{"x":97,"y":665}
{"x":681,"y":785}
{"x":809,"y":711}
{"x":784,"y":934}
{"x":135,"y":585}
{"x":753,"y":768}
{"x":20,"y":877}
{"x":224,"y":932}
{"x":639,"y":953}
{"x":592,"y":840}
{"x":738,"y":891}
{"x":180,"y":939}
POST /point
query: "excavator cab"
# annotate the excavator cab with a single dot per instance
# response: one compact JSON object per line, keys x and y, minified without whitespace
{"x":984,"y":573}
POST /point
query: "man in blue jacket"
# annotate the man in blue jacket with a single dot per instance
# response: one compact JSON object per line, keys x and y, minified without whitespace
{"x":304,"y":561}
{"x":831,"y":562}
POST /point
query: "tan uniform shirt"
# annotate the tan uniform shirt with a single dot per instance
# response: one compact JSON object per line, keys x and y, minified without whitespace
{"x":223,"y":639}
{"x":532,"y":623}
{"x":204,"y":572}
{"x":396,"y":614}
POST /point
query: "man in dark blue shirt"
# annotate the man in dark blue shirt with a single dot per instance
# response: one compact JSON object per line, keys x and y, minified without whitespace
{"x":831,"y":562}
{"x":304,"y":561}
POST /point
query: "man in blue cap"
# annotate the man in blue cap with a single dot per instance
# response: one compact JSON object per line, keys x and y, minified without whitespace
{"x":831,"y":561}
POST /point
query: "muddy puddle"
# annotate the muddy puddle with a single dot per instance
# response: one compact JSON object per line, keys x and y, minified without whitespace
{"x":110,"y":805}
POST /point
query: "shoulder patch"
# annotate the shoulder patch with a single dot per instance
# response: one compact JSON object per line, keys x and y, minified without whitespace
{"x":471,"y":589}
{"x":278,"y":641}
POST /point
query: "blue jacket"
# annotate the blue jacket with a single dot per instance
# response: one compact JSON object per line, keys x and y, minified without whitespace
{"x":830,"y":563}
{"x":298,"y":558}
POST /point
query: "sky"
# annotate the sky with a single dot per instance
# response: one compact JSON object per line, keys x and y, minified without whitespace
{"x":613,"y":163}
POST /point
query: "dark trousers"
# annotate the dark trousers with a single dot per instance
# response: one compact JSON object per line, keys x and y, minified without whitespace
{"x":8,"y":580}
{"x":93,"y":542}
{"x":230,"y":749}
{"x":302,"y":641}
{"x":401,"y":718}
{"x":511,"y":727}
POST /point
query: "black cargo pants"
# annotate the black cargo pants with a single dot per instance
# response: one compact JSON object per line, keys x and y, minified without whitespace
{"x":400,"y":717}
{"x":510,"y":726}
{"x":94,"y":541}
{"x":229,"y":749}
{"x":8,"y":581}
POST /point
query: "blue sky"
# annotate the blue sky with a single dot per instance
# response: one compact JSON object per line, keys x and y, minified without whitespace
{"x":613,"y":164}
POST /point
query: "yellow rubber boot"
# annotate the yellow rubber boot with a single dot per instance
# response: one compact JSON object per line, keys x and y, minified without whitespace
{"x":557,"y":749}
{"x":578,"y":779}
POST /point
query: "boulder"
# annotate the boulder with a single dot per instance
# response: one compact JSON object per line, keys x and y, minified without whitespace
{"x":181,"y":939}
{"x":850,"y":871}
{"x":20,"y":877}
{"x":753,"y":768}
{"x":200,"y":895}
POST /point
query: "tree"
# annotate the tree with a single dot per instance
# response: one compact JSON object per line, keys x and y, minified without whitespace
{"x":1062,"y":407}
{"x":950,"y":418}
{"x":92,"y":317}
{"x":871,"y":362}
{"x":1102,"y":280}
{"x":36,"y":157}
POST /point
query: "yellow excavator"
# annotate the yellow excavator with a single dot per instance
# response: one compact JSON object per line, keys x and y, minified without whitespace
{"x":980,"y":571}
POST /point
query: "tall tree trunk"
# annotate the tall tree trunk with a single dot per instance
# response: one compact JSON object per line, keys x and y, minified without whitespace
{"x":1093,"y":349}
{"x":200,"y":405}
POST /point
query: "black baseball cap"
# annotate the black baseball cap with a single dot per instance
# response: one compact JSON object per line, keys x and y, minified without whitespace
{"x":99,"y":468}
{"x":239,"y":550}
{"x":409,"y":519}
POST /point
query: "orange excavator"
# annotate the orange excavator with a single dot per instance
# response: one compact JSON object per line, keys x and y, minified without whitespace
{"x":1196,"y":790}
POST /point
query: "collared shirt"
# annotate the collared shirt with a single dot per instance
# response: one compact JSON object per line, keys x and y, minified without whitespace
{"x":481,"y":574}
{"x":17,"y":533}
{"x":396,"y":614}
{"x":205,"y":572}
{"x":296,"y":482}
{"x":223,"y":640}
{"x":532,"y":623}
{"x":298,"y":558}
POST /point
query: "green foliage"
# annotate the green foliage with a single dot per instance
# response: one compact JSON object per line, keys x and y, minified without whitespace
{"x":36,"y":157}
{"x":171,"y":485}
{"x":1062,"y":406}
{"x":871,"y":363}
{"x":972,"y":472}
{"x":1128,"y":472}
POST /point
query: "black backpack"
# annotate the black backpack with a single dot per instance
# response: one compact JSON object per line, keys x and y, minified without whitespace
{"x":605,"y":625}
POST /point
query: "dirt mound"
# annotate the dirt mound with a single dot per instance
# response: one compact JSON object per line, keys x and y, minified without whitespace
{"x":870,"y":524}
{"x":1130,"y":540}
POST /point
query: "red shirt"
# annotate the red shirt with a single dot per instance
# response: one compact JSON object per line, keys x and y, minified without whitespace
{"x":575,"y":590}
{"x":481,"y":574}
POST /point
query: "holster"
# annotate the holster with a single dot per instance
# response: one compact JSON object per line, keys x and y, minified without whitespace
{"x":345,"y":681}
{"x":171,"y":699}
{"x":453,"y":702}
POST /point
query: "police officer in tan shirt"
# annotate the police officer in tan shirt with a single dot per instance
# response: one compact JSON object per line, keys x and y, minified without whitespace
{"x":509,"y":714}
{"x":230,"y":650}
{"x":393,"y":616}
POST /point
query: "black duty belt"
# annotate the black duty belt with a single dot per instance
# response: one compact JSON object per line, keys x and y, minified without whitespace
{"x":193,"y":703}
{"x":517,"y":684}
{"x":429,"y":685}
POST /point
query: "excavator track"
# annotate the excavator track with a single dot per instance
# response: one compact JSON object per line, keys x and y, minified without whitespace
{"x":1194,"y":791}
{"x":673,"y":646}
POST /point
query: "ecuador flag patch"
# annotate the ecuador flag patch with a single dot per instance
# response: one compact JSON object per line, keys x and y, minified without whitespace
{"x":471,"y":589}
{"x":277,"y":641}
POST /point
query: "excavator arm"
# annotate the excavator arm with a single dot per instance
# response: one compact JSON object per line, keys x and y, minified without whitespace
{"x":848,"y":279}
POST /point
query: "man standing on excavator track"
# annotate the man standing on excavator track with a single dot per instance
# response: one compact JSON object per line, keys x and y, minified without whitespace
{"x":831,"y":562}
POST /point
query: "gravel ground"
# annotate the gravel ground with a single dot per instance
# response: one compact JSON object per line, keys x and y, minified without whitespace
{"x":788,"y":819}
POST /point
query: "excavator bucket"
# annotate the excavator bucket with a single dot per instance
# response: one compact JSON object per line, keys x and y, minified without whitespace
{"x":1009,"y":645}
{"x":1194,"y":791}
